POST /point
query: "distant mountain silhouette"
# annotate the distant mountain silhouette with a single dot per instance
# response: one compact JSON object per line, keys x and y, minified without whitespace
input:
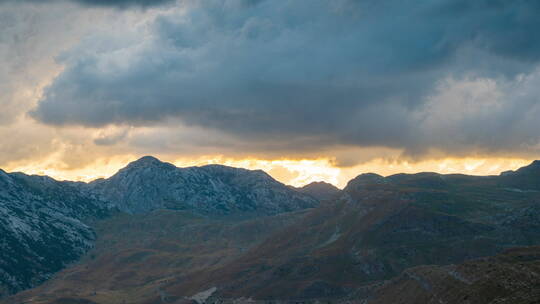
{"x":321,"y":190}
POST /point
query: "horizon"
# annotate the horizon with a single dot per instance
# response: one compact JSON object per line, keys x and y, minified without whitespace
{"x":261,"y":166}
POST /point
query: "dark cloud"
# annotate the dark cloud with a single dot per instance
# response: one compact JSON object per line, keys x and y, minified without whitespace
{"x":111,"y":138}
{"x":123,"y":2}
{"x":113,"y":3}
{"x":338,"y":72}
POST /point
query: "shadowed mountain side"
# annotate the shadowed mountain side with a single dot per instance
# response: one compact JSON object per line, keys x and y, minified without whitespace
{"x":511,"y":277}
{"x":378,"y":228}
{"x":44,"y":226}
{"x":321,"y":191}
{"x":135,"y":255}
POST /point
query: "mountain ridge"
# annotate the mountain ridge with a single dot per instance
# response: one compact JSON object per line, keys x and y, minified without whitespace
{"x":322,"y":191}
{"x":39,"y":210}
{"x":378,"y":228}
{"x":148,"y":184}
{"x":370,"y":232}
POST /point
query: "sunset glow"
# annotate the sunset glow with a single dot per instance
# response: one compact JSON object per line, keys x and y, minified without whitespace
{"x":289,"y":171}
{"x":84,"y":102}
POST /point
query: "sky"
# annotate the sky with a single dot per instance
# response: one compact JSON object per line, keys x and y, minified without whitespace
{"x":304,"y":89}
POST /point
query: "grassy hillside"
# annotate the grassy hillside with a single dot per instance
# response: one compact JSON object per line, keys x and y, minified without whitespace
{"x":136,"y":255}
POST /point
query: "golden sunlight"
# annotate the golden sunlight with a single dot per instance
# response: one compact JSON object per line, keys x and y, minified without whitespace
{"x":295,"y":172}
{"x":292,"y":172}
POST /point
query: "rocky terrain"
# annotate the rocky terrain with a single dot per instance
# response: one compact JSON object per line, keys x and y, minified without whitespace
{"x":43,"y":228}
{"x":149,"y":184}
{"x":367,"y":243}
{"x":46,"y":225}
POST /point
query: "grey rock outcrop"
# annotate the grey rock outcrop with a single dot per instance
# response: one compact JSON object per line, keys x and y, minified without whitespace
{"x":149,"y":184}
{"x":42,"y":228}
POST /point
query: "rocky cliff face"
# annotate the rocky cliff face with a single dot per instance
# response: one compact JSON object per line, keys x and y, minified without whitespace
{"x":149,"y":184}
{"x":42,"y":228}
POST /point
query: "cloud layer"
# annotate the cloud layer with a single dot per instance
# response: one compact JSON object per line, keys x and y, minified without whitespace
{"x":457,"y":76}
{"x":111,"y":3}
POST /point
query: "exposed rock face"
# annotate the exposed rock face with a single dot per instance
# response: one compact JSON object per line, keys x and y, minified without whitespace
{"x":41,"y":228}
{"x":321,"y":191}
{"x":149,"y":184}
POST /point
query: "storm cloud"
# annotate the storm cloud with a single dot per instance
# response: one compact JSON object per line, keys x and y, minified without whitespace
{"x":401,"y":74}
{"x":112,"y":3}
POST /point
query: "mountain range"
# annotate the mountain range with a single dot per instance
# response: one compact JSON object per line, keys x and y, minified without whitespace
{"x":155,"y":233}
{"x":46,"y":224}
{"x":149,"y":184}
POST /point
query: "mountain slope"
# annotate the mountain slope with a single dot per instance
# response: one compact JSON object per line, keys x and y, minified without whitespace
{"x":321,"y":191}
{"x":42,"y":228}
{"x":343,"y":250}
{"x":378,"y":228}
{"x":43,"y":222}
{"x":511,"y":277}
{"x":149,"y":184}
{"x":135,"y":255}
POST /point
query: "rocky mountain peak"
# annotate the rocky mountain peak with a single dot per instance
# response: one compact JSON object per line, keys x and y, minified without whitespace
{"x":365,"y":179}
{"x":320,"y":190}
{"x":525,"y":178}
{"x":147,"y":161}
{"x":149,"y":184}
{"x":140,"y":171}
{"x":533,"y":167}
{"x":320,"y":184}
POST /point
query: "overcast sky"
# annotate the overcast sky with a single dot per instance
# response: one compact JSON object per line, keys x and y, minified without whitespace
{"x":349,"y":81}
